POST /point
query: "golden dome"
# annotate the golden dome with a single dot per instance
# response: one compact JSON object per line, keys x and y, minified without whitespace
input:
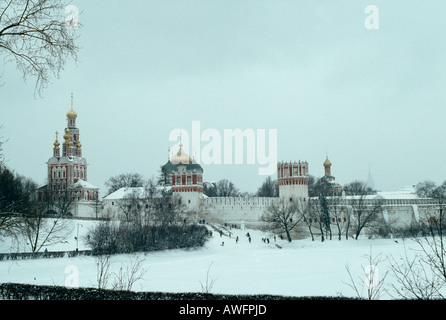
{"x":181,"y":157}
{"x":56,"y":143}
{"x":327,"y":162}
{"x":67,"y":137}
{"x":71,"y":114}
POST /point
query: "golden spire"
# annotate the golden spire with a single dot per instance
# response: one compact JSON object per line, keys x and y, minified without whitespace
{"x":56,"y":143}
{"x":71,"y":114}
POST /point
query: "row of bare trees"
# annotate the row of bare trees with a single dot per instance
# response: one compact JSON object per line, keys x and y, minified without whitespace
{"x":323,"y":216}
{"x":418,"y":274}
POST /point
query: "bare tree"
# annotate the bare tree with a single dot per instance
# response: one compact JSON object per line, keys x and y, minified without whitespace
{"x":128,"y":180}
{"x":2,"y":156}
{"x":433,"y":244}
{"x":358,"y":188}
{"x":130,"y":205}
{"x":338,"y":213}
{"x":222,"y":188}
{"x":165,"y":211}
{"x":102,"y":271}
{"x":370,"y":279}
{"x":209,"y":284}
{"x":126,"y":278}
{"x":44,"y":224}
{"x":39,"y":230}
{"x":415,"y":279}
{"x":285,"y":215}
{"x":424,"y":275}
{"x":365,"y":213}
{"x":307,"y":216}
{"x":35,"y":35}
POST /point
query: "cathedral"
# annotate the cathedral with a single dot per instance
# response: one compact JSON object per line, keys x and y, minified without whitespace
{"x":184,"y":176}
{"x":67,"y":170}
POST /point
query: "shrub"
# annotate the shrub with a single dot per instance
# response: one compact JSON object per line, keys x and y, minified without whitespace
{"x":109,"y":238}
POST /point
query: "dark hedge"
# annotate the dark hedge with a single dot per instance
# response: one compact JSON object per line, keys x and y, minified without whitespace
{"x":17,"y":291}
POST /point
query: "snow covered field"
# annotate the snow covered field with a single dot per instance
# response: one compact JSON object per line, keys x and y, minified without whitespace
{"x":299,"y":268}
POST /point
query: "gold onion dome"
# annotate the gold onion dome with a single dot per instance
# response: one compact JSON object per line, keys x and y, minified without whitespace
{"x":56,"y":143}
{"x":327,"y":162}
{"x":181,"y":157}
{"x":67,"y":137}
{"x":71,"y":114}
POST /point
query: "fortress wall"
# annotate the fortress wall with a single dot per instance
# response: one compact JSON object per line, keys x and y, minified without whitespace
{"x":235,"y":209}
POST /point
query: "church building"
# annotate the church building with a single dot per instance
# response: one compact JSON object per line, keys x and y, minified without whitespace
{"x":185,"y":177}
{"x":67,"y":168}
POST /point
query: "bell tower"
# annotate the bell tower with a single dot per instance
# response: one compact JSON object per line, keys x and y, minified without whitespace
{"x":67,"y":171}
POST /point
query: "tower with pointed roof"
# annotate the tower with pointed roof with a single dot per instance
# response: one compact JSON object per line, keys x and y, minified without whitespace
{"x":67,"y":171}
{"x":185,"y":177}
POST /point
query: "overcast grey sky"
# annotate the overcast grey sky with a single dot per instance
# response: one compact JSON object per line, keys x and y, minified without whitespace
{"x":309,"y":69}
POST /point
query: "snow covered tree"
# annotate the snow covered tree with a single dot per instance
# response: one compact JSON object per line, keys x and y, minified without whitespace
{"x":425,"y":189}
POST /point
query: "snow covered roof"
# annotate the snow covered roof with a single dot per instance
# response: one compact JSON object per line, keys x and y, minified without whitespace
{"x":83,"y":184}
{"x":405,"y":193}
{"x":123,"y":192}
{"x":139,"y":192}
